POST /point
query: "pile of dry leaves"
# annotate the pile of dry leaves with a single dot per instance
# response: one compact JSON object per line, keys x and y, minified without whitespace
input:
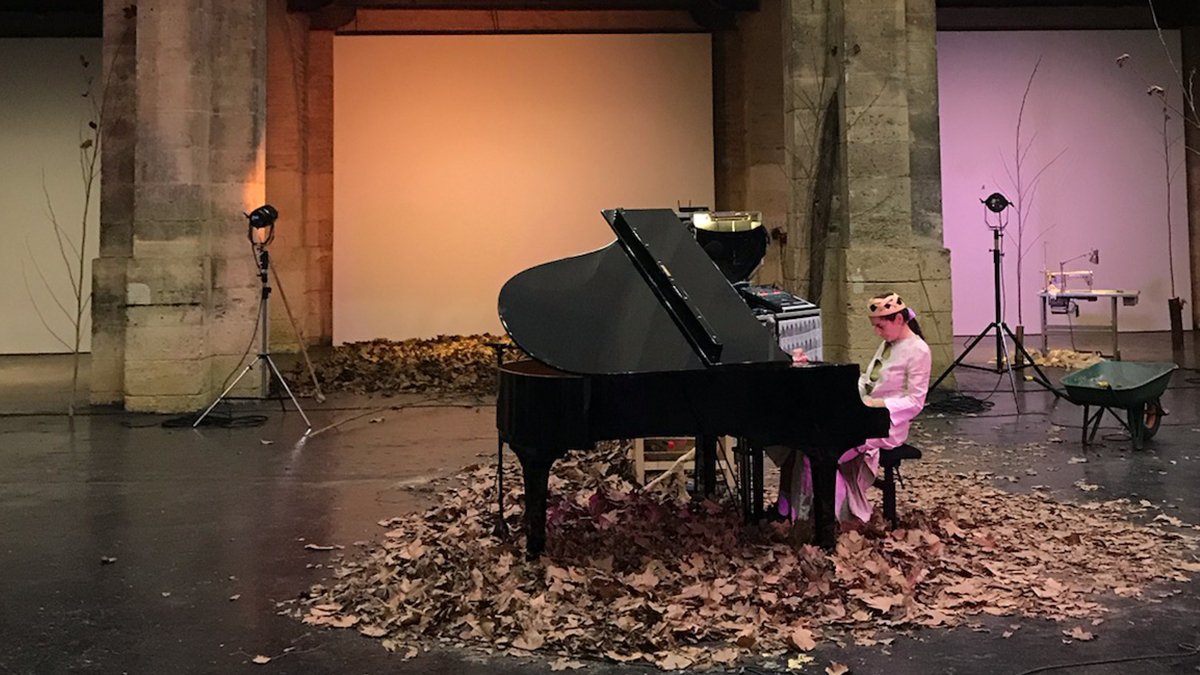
{"x":636,"y":576}
{"x":447,"y":364}
{"x":1066,"y":358}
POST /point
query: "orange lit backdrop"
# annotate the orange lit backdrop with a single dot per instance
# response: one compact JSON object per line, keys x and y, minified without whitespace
{"x":461,"y":160}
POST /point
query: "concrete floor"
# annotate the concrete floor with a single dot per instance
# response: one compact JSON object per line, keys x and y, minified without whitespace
{"x":194,"y":518}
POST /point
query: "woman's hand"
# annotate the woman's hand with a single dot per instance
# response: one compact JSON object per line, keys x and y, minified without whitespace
{"x":799,"y":358}
{"x":875,"y":402}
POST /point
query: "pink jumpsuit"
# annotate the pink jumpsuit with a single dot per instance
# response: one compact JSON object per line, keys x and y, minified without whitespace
{"x":902,"y":382}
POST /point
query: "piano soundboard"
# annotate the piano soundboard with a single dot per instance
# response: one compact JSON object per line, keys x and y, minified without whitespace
{"x":795,"y":321}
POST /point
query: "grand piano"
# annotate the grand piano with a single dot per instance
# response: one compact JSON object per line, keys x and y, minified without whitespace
{"x":645,"y":337}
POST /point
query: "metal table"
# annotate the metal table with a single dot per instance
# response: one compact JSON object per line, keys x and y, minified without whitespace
{"x":1126,"y":298}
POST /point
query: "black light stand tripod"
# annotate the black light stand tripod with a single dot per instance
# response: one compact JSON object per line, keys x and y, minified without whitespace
{"x":996,"y":203}
{"x":262,"y":231}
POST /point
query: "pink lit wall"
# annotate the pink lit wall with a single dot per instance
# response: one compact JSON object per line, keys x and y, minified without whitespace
{"x":461,"y":160}
{"x":1108,"y":190}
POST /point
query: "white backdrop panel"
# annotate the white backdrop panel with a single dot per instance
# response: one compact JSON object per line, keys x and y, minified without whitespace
{"x":42,"y":114}
{"x":461,"y":160}
{"x":1108,"y":190}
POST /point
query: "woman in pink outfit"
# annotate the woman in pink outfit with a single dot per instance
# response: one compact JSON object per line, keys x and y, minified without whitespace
{"x":897,"y":378}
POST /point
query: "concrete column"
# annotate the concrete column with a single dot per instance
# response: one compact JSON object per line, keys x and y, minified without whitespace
{"x":300,"y":175}
{"x":189,"y":292}
{"x":865,"y":182}
{"x":318,"y":219}
{"x":1189,"y":38}
{"x":117,"y":157}
{"x":749,"y":96}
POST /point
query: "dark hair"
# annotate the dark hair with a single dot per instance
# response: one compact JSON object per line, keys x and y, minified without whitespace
{"x":912,"y":323}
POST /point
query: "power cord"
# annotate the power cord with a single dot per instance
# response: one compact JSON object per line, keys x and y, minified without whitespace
{"x":226,"y":421}
{"x":1188,"y":650}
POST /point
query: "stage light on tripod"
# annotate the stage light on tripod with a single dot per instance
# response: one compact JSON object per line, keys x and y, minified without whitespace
{"x":262,"y":224}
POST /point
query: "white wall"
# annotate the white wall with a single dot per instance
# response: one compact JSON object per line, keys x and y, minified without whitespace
{"x":42,"y":114}
{"x":1108,"y":190}
{"x":461,"y":160}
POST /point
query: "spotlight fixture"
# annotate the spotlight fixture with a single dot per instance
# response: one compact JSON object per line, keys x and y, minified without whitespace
{"x":995,"y":202}
{"x":262,"y":224}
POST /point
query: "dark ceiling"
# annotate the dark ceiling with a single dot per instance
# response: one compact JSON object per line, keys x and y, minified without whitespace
{"x":80,"y":18}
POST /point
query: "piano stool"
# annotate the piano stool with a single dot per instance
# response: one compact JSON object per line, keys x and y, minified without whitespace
{"x":890,"y":461}
{"x":648,"y":464}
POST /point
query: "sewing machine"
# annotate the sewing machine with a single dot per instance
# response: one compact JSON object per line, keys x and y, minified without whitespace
{"x":1064,"y":290}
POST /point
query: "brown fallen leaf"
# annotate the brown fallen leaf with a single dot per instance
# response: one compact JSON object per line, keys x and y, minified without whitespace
{"x":319,"y":547}
{"x":674,"y":661}
{"x":564,"y":664}
{"x":260,"y":659}
{"x":235,"y":597}
{"x":345,"y":621}
{"x":1078,"y":633}
{"x":530,"y":641}
{"x":836,"y":668}
{"x":725,"y":656}
{"x":802,"y":639}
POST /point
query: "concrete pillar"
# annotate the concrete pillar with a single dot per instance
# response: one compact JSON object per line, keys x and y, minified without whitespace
{"x":861,"y":141}
{"x":318,"y":223}
{"x":300,"y":175}
{"x":195,"y":112}
{"x":1189,"y":37}
{"x":749,"y":95}
{"x":117,"y":155}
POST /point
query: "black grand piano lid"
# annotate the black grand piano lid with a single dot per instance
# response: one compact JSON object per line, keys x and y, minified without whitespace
{"x":595,"y":313}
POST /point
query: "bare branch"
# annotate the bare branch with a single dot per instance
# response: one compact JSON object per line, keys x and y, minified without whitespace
{"x":37,"y":310}
{"x":50,"y":290}
{"x":870,"y":104}
{"x":58,"y":232}
{"x":1035,"y":239}
{"x":1038,"y":175}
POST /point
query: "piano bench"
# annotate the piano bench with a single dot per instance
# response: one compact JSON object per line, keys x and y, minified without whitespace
{"x":890,"y":460}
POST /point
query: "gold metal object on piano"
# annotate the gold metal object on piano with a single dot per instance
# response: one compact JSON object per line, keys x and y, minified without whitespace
{"x":727,"y":221}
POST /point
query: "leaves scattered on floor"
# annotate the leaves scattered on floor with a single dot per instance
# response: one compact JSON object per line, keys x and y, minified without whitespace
{"x":447,"y":364}
{"x":631,"y":576}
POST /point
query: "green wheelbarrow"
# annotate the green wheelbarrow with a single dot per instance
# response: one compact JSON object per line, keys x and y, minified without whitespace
{"x":1128,"y":385}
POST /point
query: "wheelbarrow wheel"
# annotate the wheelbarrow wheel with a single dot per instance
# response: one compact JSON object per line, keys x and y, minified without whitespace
{"x":1152,"y":414}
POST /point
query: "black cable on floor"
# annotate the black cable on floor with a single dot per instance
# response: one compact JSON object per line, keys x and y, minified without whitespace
{"x":957,"y":403}
{"x":220,"y":422}
{"x":1188,"y":650}
{"x":227,"y":422}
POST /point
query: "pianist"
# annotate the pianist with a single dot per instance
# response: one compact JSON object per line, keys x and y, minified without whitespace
{"x":897,"y":378}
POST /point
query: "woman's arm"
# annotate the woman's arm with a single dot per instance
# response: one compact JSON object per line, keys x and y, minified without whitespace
{"x":917,"y":371}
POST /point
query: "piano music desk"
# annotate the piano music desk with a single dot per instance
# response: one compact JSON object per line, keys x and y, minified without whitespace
{"x":1127,"y":298}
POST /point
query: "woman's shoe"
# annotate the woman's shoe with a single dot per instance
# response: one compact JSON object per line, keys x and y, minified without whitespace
{"x":773,"y":515}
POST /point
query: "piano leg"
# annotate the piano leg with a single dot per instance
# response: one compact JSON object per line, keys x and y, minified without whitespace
{"x":535,"y":468}
{"x":756,"y":482}
{"x":706,"y":465}
{"x":824,"y":477}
